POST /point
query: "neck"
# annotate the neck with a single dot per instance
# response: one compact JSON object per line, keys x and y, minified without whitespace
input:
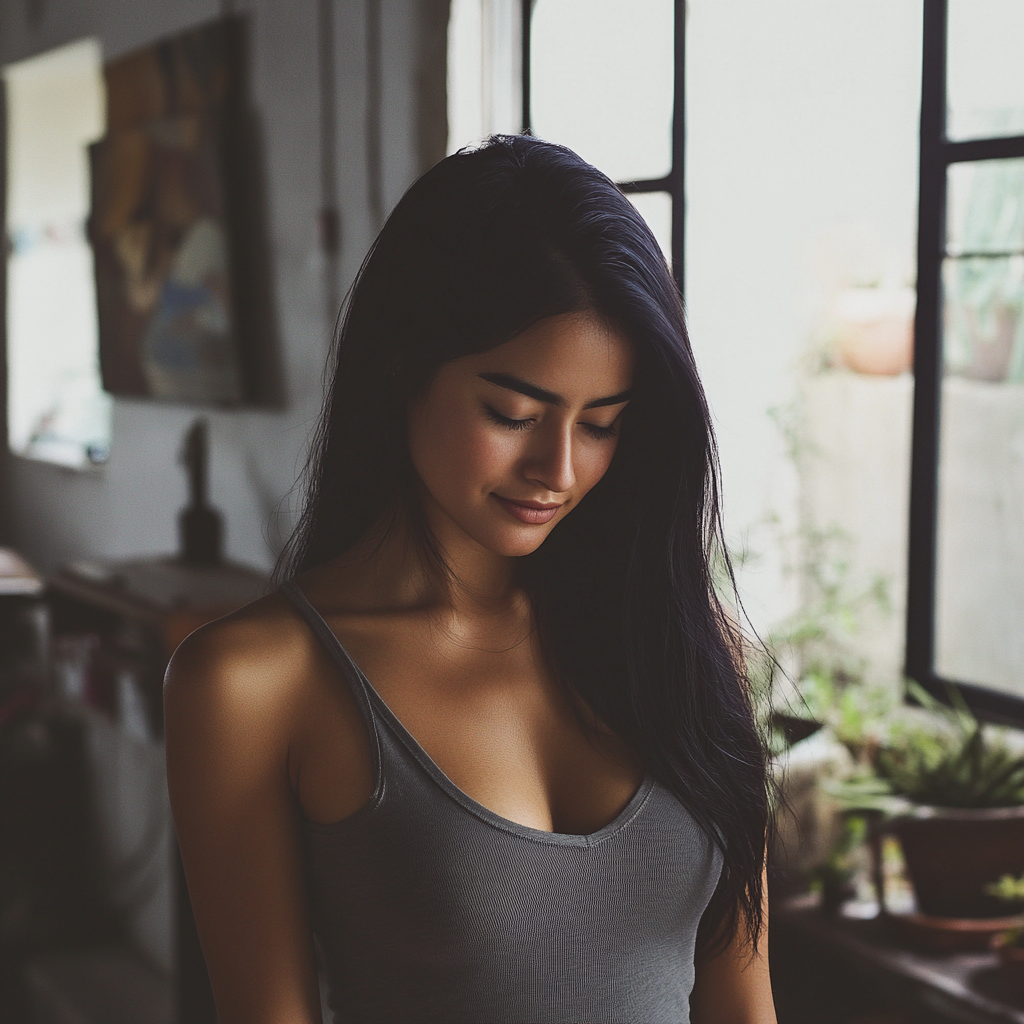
{"x":481,"y":582}
{"x":395,"y":574}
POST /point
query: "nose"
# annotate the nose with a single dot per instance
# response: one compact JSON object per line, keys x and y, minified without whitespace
{"x":550,"y":461}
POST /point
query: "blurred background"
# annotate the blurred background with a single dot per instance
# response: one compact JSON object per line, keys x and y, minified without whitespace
{"x":189,"y":190}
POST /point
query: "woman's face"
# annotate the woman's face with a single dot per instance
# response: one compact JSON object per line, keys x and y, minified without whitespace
{"x":507,"y":442}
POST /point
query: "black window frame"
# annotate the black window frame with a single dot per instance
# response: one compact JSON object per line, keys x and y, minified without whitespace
{"x":674,"y":182}
{"x":938,"y":153}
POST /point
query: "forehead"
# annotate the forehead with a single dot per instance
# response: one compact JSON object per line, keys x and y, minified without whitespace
{"x":577,"y":355}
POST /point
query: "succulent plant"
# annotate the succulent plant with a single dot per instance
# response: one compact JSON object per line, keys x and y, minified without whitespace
{"x":959,"y":763}
{"x":1007,"y":888}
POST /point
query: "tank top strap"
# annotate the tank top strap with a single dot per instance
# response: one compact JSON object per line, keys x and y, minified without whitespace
{"x":349,"y":669}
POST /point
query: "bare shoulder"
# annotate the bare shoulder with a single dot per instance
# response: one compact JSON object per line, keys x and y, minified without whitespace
{"x":232,"y":697}
{"x":246,"y":669}
{"x":253,"y":705}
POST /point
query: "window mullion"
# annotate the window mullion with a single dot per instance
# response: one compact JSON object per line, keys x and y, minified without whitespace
{"x":924,"y":471}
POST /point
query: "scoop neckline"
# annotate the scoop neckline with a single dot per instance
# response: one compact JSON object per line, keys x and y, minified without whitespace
{"x":629,"y":810}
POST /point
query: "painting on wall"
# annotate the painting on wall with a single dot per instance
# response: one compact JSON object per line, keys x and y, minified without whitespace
{"x":160,"y":223}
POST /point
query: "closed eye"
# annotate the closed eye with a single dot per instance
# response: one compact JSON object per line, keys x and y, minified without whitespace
{"x":506,"y":421}
{"x":592,"y":429}
{"x":599,"y":433}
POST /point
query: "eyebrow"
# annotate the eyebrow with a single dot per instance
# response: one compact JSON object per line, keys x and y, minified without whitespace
{"x":523,"y":387}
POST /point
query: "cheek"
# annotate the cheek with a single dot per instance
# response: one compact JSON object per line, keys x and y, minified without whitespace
{"x":592,"y":464}
{"x":479,"y":457}
{"x":454,"y":452}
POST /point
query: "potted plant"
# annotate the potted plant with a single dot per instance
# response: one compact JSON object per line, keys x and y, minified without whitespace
{"x":963,"y":829}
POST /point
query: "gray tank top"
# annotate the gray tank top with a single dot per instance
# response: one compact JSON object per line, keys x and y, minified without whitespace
{"x":427,"y":907}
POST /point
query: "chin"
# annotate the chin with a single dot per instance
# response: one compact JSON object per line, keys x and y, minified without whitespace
{"x":515,"y":543}
{"x":523,"y":548}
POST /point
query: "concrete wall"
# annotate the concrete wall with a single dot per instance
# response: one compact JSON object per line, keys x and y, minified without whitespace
{"x":130,"y":506}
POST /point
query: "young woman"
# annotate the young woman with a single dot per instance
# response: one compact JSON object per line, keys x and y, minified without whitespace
{"x":491,"y":744}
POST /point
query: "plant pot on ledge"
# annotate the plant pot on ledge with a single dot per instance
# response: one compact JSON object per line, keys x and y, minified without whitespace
{"x":961,"y":825}
{"x":953,"y":853}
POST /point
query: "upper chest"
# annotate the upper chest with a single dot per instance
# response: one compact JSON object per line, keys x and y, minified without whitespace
{"x":488,"y":715}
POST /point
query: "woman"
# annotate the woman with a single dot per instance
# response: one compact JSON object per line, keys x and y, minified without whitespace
{"x":555,"y":775}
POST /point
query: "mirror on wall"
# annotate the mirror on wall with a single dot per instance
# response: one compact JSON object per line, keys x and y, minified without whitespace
{"x":57,"y":410}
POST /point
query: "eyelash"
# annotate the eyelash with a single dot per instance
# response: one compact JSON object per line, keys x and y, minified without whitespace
{"x":596,"y":432}
{"x":599,"y":433}
{"x":505,"y":421}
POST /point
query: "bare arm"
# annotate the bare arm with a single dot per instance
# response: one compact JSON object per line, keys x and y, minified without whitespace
{"x":236,"y":818}
{"x":735,"y":987}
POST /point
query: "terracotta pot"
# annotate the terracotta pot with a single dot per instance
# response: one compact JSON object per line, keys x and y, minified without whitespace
{"x":953,"y":853}
{"x":874,"y":330}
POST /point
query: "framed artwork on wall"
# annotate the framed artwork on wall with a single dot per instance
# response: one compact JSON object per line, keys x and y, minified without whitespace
{"x":165,"y":223}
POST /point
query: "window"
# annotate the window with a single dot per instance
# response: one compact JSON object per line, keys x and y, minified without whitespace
{"x":600,"y":76}
{"x":484,"y":70}
{"x":966,"y":566}
{"x":802,"y":175}
{"x":603,"y":77}
{"x":56,"y":408}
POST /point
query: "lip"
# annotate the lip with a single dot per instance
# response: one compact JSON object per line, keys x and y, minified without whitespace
{"x":535,"y":513}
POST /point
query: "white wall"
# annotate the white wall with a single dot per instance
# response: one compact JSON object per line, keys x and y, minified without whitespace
{"x":802,"y":121}
{"x":130,"y":506}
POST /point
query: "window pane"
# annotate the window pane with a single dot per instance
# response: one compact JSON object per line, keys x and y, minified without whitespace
{"x":980,"y":585}
{"x":602,"y":82}
{"x":656,"y":209}
{"x":985,"y":207}
{"x":484,"y":72}
{"x":56,"y":408}
{"x":985,"y":68}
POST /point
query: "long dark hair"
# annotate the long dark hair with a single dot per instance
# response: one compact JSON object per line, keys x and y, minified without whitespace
{"x":487,"y":243}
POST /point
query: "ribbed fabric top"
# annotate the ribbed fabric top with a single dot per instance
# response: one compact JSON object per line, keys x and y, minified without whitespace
{"x":431,"y":909}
